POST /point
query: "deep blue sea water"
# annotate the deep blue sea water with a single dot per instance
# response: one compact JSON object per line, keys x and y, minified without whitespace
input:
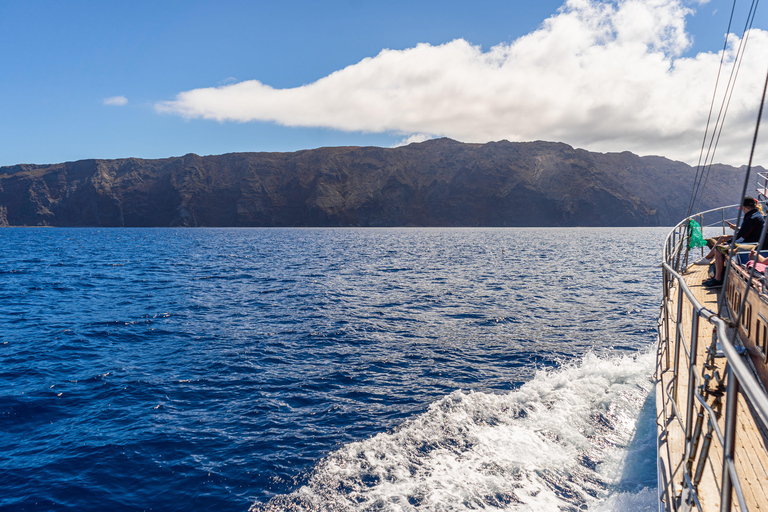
{"x":327,"y":369}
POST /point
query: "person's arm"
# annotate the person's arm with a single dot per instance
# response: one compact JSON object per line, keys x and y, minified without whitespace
{"x":760,"y":259}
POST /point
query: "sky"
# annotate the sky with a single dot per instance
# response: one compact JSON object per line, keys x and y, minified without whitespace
{"x":154,"y":79}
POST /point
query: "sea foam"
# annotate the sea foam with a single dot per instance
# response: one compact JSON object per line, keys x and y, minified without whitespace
{"x":574,"y":438}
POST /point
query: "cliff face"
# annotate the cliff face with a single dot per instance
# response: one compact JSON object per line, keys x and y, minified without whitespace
{"x":434,"y":183}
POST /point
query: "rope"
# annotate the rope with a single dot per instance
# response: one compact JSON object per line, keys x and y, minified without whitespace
{"x":699,"y":168}
{"x":765,"y":224}
{"x":734,"y":75}
{"x":699,"y":186}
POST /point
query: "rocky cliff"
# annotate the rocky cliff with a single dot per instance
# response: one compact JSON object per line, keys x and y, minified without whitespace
{"x":435,"y":183}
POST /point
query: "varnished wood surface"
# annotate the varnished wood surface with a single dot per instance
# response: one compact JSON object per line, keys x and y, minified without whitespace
{"x":750,"y":457}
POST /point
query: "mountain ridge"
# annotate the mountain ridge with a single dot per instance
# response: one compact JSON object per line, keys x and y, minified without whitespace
{"x":440,"y":182}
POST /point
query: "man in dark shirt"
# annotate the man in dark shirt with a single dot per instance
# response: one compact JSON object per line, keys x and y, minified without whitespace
{"x":752,"y":225}
{"x":751,"y":228}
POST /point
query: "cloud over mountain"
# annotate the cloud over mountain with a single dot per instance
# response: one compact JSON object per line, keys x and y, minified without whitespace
{"x":604,"y":76}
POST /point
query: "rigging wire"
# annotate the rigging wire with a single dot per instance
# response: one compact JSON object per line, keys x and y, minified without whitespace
{"x":719,"y":124}
{"x":699,"y":167}
{"x":765,"y":224}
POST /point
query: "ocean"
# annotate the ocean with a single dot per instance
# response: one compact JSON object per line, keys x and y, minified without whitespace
{"x":328,"y":369}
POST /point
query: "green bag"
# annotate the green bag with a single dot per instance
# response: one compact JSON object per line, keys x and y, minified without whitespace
{"x":697,"y":239}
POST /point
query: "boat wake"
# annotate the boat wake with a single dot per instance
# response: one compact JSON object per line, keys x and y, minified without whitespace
{"x":579,"y":437}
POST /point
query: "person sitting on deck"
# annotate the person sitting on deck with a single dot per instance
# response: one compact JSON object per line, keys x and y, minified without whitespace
{"x":762,"y":261}
{"x":721,"y":240}
{"x":751,"y":228}
{"x":711,"y":243}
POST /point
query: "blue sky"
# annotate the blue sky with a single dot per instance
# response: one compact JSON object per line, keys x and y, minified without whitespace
{"x":94,"y":79}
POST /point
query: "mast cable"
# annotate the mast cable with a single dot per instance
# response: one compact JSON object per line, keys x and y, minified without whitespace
{"x":720,"y":124}
{"x":765,"y":225}
{"x":731,"y":85}
{"x":699,"y":168}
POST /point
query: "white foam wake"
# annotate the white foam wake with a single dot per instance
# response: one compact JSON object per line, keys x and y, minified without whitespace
{"x":570,"y":439}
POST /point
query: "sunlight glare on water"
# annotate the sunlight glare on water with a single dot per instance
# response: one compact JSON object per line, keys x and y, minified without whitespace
{"x":392,"y":369}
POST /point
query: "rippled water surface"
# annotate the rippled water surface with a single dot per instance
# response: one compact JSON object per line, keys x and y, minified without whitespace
{"x":327,"y":369}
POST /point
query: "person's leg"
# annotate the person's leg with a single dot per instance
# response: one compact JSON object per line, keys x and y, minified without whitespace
{"x":719,"y":266}
{"x":712,"y":244}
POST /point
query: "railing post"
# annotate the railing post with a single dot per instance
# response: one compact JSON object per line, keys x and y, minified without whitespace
{"x":673,"y":251}
{"x":665,"y":298}
{"x":703,"y":457}
{"x":691,"y":380}
{"x":722,"y":224}
{"x":670,"y":252}
{"x":731,"y":404}
{"x":678,"y":320}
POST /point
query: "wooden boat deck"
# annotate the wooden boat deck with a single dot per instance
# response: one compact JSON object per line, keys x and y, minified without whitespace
{"x":751,"y":452}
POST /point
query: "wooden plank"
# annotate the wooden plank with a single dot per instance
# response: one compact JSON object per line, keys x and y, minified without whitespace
{"x":751,"y":456}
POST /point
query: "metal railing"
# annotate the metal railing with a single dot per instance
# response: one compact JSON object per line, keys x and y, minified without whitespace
{"x":762,"y":186}
{"x":738,"y":376}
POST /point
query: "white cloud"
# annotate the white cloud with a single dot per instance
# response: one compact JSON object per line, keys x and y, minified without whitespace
{"x":116,"y":101}
{"x":603,"y":76}
{"x":416,"y":137}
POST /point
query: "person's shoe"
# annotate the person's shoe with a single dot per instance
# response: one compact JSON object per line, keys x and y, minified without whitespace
{"x":712,"y":283}
{"x":702,"y":261}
